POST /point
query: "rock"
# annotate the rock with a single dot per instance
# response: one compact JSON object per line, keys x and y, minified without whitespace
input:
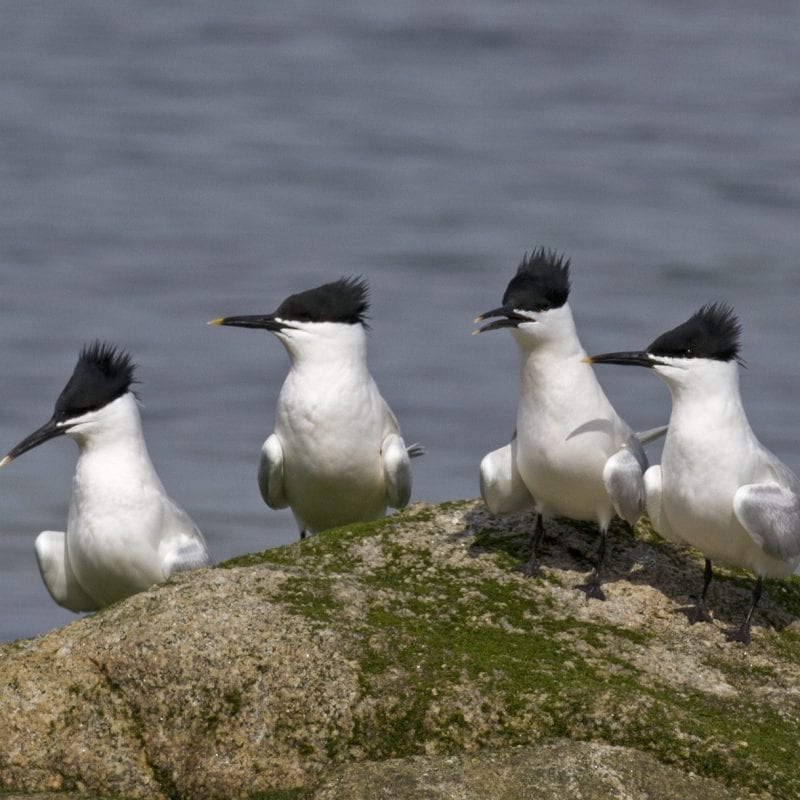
{"x":398,"y":646}
{"x":183,"y":689}
{"x":44,"y":796}
{"x":554,"y":771}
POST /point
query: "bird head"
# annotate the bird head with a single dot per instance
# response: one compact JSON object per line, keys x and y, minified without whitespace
{"x":707,"y":343}
{"x":327,"y":312}
{"x":102,"y":375}
{"x":534,"y":298}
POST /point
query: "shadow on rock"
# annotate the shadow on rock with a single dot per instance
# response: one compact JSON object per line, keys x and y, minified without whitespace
{"x":635,"y":555}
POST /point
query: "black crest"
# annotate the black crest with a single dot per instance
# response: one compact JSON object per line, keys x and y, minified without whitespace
{"x":101,"y":375}
{"x":541,"y":282}
{"x":345,"y":300}
{"x":712,"y":332}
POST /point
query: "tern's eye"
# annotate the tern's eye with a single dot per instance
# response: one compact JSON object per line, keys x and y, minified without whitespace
{"x":64,"y":414}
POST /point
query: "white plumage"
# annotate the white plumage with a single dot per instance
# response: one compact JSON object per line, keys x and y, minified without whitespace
{"x":124,"y":534}
{"x":572,"y":455}
{"x":717,"y":487}
{"x":336,"y":455}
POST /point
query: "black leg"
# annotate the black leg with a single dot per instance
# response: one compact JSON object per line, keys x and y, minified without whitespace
{"x":303,"y":534}
{"x":592,"y":585}
{"x":742,"y":633}
{"x":531,"y":566}
{"x":700,"y":613}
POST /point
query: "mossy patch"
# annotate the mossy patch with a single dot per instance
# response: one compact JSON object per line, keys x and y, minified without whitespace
{"x":440,"y":647}
{"x":283,"y":794}
{"x":465,"y":655}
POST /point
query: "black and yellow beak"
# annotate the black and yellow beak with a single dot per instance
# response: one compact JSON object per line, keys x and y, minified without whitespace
{"x":49,"y":430}
{"x":267,"y":322}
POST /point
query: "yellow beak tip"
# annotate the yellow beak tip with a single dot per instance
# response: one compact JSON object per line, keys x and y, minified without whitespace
{"x":217,"y":321}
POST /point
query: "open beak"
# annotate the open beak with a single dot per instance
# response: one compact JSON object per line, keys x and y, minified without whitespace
{"x":49,"y":430}
{"x":266,"y":322}
{"x":508,"y":318}
{"x":633,"y":358}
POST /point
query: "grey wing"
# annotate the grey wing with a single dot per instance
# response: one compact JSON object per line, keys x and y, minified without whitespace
{"x":502,"y":487}
{"x":57,"y":574}
{"x":623,"y":478}
{"x":396,"y":470}
{"x":770,"y":513}
{"x":183,"y":546}
{"x":652,"y":499}
{"x":270,"y":473}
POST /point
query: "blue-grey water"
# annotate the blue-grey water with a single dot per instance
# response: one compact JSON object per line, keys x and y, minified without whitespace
{"x":165,"y":163}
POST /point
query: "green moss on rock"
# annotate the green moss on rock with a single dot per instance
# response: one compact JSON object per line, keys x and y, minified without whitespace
{"x":413,"y":636}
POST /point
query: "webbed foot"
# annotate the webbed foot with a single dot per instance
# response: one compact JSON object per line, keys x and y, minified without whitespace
{"x":698,"y":613}
{"x":592,"y":588}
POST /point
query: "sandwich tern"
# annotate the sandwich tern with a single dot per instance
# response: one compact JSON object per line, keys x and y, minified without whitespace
{"x":717,"y":487}
{"x":571,"y":455}
{"x":123,"y":533}
{"x":336,"y":455}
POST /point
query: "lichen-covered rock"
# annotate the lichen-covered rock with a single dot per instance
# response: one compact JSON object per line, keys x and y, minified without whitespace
{"x":185,"y":691}
{"x":410,"y":636}
{"x":43,"y":796}
{"x":563,"y":769}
